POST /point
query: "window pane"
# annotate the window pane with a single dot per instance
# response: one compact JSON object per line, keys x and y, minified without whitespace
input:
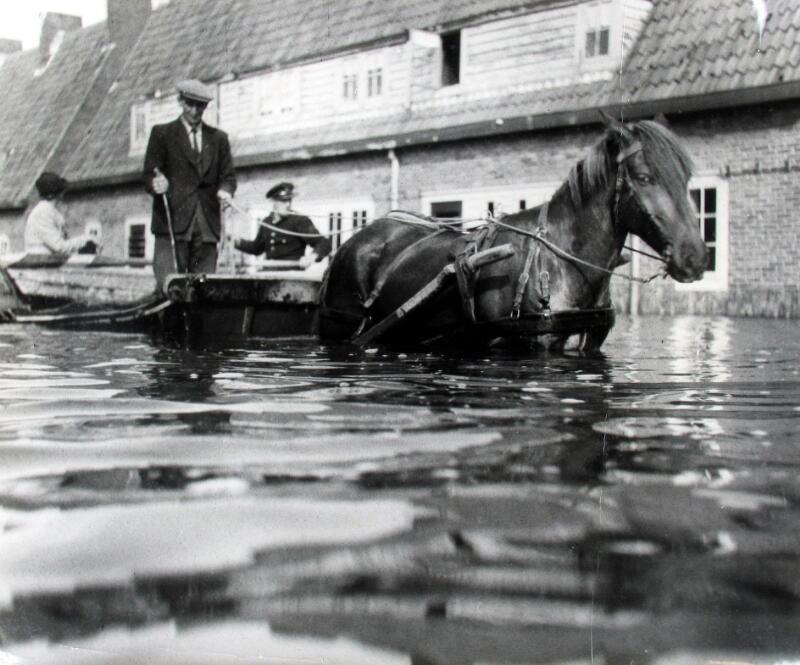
{"x":446,"y":209}
{"x":711,"y":200}
{"x":522,"y":205}
{"x":710,"y":229}
{"x":136,"y":241}
{"x":590,"y":42}
{"x":451,"y":57}
{"x":712,"y":258}
{"x":490,"y":207}
{"x":603,"y":49}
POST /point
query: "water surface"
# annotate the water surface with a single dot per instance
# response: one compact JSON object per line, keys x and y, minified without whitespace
{"x":287,"y":502}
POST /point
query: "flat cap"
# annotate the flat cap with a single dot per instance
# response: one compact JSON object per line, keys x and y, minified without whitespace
{"x":49,"y":185}
{"x":283,"y":191}
{"x":194,"y":89}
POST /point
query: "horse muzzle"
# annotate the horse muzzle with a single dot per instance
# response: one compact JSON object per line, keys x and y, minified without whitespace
{"x":687,"y":264}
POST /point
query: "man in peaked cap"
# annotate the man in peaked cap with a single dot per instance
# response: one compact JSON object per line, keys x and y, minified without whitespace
{"x":188,"y":166}
{"x":277,"y":241}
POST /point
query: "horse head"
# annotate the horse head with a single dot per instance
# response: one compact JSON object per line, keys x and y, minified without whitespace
{"x":651,"y":197}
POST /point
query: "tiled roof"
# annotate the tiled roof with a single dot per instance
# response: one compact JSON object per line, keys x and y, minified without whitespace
{"x":686,"y":48}
{"x":36,"y":110}
{"x":208,"y":39}
{"x":697,"y":47}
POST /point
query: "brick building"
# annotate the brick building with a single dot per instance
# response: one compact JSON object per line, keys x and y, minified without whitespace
{"x":450,"y":109}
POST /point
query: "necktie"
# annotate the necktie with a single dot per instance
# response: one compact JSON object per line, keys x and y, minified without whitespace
{"x":194,"y":141}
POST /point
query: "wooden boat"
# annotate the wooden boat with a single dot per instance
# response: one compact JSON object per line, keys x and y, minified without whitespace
{"x":49,"y":281}
{"x":103,"y":294}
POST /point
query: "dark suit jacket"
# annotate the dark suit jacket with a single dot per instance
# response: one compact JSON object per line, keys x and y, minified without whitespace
{"x":278,"y":245}
{"x":191,"y":180}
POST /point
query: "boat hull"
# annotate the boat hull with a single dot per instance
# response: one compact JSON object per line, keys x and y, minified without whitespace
{"x":199,"y":309}
{"x":83,"y":285}
{"x":221,"y":308}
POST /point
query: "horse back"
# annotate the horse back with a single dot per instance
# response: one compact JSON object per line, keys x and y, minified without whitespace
{"x":358,"y":266}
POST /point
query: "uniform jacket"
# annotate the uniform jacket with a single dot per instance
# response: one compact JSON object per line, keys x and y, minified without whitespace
{"x":276,"y":245}
{"x":192,"y":181}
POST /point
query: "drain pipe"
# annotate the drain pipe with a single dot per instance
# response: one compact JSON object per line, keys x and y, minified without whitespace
{"x":394,"y":202}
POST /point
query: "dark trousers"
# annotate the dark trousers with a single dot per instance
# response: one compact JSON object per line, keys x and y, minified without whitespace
{"x":194,"y":255}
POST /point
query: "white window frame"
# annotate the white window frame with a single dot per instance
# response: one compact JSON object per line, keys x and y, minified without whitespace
{"x":149,"y":240}
{"x":374,"y":87}
{"x":718,"y":279}
{"x":138,"y":143}
{"x":506,"y":199}
{"x":594,"y":16}
{"x":349,"y":87}
{"x":351,"y":212}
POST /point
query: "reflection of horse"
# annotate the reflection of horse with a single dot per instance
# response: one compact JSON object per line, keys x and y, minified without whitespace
{"x":632,"y":181}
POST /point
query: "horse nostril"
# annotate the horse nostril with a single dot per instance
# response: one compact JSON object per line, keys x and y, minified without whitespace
{"x":696,"y":259}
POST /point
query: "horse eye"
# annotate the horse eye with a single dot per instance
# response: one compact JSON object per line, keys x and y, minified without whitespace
{"x":644,"y":179}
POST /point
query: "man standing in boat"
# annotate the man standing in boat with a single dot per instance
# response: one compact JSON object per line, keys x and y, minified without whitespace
{"x":45,"y":228}
{"x":188,"y":169}
{"x":284,"y":235}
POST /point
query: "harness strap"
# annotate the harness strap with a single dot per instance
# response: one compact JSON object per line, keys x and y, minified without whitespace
{"x":467,"y":276}
{"x":524,"y":276}
{"x":376,"y":290}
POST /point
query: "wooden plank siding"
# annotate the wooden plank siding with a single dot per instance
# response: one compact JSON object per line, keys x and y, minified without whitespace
{"x":527,"y":51}
{"x":522,"y":49}
{"x":318,"y":99}
{"x":634,"y":15}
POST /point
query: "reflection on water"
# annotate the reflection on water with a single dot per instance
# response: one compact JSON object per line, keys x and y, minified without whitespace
{"x":287,"y":502}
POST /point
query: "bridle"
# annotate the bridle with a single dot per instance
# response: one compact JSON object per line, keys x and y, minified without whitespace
{"x":622,"y":182}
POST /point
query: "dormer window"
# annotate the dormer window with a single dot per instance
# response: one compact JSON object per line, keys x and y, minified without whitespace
{"x":374,"y":82}
{"x":139,"y":123}
{"x":597,"y":41}
{"x":350,"y":86}
{"x":451,"y":57}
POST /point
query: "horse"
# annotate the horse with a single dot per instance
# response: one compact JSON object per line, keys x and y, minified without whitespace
{"x":555,"y":284}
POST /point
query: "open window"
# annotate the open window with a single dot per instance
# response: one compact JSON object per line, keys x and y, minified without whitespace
{"x":451,"y":57}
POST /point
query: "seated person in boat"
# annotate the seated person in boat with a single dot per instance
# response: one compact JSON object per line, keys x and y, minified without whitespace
{"x":46,"y":229}
{"x":284,"y":235}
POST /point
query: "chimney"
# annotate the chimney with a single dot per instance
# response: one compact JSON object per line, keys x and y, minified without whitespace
{"x":52,"y":26}
{"x":126,"y":18}
{"x":7,"y":47}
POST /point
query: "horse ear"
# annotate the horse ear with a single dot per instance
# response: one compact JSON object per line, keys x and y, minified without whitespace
{"x":661,"y":119}
{"x":610,"y":122}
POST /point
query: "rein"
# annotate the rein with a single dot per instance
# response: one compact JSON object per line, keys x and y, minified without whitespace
{"x":278,"y":229}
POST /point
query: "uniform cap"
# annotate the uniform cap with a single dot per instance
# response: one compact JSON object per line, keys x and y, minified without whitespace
{"x":195,"y":90}
{"x":283,"y":191}
{"x":50,"y":185}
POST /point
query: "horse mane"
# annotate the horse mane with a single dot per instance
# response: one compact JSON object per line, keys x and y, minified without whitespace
{"x":666,"y":157}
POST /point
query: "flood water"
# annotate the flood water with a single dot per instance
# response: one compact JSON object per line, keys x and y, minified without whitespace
{"x":285,"y":502}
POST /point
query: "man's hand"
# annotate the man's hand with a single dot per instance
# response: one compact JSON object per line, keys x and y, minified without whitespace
{"x":160,"y":183}
{"x":225,"y":198}
{"x":307,"y":259}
